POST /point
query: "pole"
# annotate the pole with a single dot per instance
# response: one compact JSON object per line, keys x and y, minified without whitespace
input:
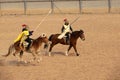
{"x":52,"y":6}
{"x":109,"y":6}
{"x":75,"y":20}
{"x":42,"y":20}
{"x":0,"y":9}
{"x":80,"y":6}
{"x":25,"y":7}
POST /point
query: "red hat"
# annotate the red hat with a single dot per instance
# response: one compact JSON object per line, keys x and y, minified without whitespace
{"x":24,"y":25}
{"x":65,"y":19}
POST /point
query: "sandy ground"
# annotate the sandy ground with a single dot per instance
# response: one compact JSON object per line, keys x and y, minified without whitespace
{"x":99,"y":54}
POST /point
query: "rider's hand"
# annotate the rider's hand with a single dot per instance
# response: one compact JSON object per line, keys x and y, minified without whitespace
{"x":31,"y":31}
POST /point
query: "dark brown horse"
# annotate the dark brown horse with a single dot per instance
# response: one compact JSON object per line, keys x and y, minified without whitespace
{"x":36,"y":43}
{"x":73,"y":40}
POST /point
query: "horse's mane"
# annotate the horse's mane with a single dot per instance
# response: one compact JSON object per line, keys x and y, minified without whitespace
{"x":37,"y":39}
{"x":40,"y":37}
{"x":74,"y":33}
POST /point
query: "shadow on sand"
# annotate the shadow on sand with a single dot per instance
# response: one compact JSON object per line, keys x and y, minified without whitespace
{"x":3,"y":62}
{"x":61,"y":53}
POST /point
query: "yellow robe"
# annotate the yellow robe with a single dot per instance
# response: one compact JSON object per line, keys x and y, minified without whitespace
{"x":21,"y":35}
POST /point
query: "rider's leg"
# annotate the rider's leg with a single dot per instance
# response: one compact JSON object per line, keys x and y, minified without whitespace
{"x":21,"y":42}
{"x":67,"y":38}
{"x":29,"y":41}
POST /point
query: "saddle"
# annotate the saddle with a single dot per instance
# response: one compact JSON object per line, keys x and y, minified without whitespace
{"x":65,"y":36}
{"x":27,"y":44}
{"x":67,"y":39}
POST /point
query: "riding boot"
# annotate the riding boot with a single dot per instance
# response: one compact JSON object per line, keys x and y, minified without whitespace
{"x":67,"y":40}
{"x":27,"y":48}
{"x":29,"y":43}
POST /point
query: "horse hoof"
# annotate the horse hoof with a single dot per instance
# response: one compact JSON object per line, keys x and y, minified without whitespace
{"x":49,"y":55}
{"x":66,"y":54}
{"x":25,"y":62}
{"x":38,"y":61}
{"x":78,"y":54}
{"x":31,"y":60}
{"x":14,"y":55}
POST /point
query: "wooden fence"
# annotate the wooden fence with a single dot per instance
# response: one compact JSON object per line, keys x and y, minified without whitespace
{"x":58,"y":6}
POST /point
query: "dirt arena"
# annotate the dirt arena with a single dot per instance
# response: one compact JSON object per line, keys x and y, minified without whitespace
{"x":99,"y":54}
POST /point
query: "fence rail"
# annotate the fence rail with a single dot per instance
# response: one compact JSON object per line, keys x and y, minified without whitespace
{"x":58,"y":6}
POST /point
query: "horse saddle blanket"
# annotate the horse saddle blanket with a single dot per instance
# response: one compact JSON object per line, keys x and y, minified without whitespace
{"x":61,"y":35}
{"x":25,"y":44}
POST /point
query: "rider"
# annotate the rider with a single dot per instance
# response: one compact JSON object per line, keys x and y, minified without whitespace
{"x":67,"y":29}
{"x":25,"y":27}
{"x":24,"y":36}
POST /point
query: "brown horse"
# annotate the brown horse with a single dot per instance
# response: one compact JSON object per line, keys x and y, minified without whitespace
{"x":73,"y":40}
{"x":36,"y":43}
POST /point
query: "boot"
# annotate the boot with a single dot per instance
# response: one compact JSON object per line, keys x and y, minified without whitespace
{"x":67,"y":40}
{"x":27,"y":48}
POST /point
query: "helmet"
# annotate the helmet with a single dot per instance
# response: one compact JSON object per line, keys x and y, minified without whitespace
{"x":65,"y":19}
{"x":24,"y":25}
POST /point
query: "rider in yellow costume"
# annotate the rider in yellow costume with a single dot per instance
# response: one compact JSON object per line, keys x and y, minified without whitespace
{"x":23,"y":36}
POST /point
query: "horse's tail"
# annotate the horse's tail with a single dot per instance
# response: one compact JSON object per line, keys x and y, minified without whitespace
{"x":10,"y":49}
{"x":50,"y":37}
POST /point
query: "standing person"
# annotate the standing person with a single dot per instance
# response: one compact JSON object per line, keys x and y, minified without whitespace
{"x":67,"y":29}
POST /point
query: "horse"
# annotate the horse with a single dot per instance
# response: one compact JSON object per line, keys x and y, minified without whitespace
{"x":35,"y":45}
{"x":73,"y":41}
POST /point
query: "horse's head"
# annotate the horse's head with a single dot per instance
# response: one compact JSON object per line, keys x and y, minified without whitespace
{"x":44,"y":38}
{"x":82,"y":36}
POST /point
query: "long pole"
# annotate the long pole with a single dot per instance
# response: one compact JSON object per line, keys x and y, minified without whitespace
{"x":75,"y":20}
{"x":43,"y":20}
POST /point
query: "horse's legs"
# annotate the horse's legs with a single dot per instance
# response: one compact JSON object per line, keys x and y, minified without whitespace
{"x":51,"y":46}
{"x":75,"y":50}
{"x":38,"y":58}
{"x":16,"y":56}
{"x":68,"y":50}
{"x":34,"y":56}
{"x":21,"y":54}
